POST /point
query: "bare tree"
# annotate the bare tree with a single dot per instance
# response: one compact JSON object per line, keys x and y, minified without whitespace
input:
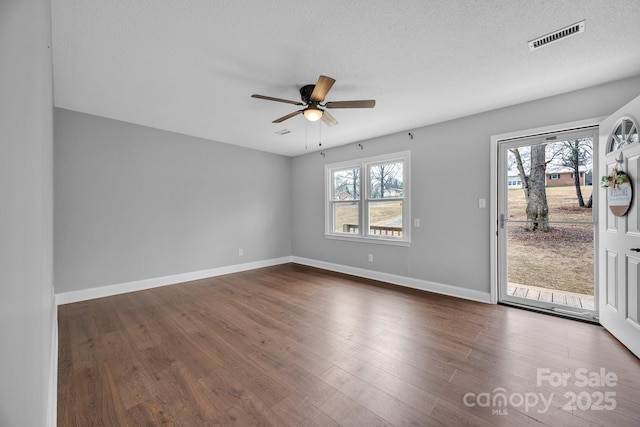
{"x":355,"y":182}
{"x":575,"y":153}
{"x":521,"y":172}
{"x":537,"y":208}
{"x":349,"y":182}
{"x":386,"y":176}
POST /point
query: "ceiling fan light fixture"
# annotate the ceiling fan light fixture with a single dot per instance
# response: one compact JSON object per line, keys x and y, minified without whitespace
{"x":312,"y":114}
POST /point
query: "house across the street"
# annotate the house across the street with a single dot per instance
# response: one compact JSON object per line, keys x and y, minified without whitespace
{"x":556,"y":176}
{"x":562,"y":176}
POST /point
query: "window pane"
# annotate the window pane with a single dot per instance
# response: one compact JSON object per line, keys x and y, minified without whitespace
{"x":346,"y":217}
{"x":346,"y":184}
{"x":626,"y":133}
{"x":385,"y":180}
{"x":633,"y":134}
{"x":366,"y":199}
{"x":627,"y":125}
{"x":385,"y":218}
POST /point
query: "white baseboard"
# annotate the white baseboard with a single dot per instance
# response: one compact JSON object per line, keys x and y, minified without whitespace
{"x":424,"y":285}
{"x":139,"y":285}
{"x":394,"y":279}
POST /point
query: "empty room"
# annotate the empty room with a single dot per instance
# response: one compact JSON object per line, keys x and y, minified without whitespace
{"x":297,"y":213}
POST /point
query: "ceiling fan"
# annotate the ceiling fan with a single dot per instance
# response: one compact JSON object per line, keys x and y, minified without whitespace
{"x":312,"y":99}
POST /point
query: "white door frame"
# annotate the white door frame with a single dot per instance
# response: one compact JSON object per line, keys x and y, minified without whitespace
{"x":493,"y":194}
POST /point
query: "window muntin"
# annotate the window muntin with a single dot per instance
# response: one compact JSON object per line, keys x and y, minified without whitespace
{"x":368,"y":199}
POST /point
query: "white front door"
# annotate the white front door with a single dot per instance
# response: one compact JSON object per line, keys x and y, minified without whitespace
{"x":619,"y":236}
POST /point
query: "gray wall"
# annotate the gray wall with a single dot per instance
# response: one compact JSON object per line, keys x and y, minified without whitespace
{"x":134,"y":203}
{"x":27,"y":310}
{"x":450,"y":171}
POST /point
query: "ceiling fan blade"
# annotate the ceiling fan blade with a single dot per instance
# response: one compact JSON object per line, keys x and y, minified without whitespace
{"x":370,"y":103}
{"x":323,"y":85}
{"x":271,"y":98}
{"x":288,"y":116}
{"x":328,"y":119}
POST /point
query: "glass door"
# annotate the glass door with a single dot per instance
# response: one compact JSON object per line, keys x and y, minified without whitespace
{"x":546,"y":214}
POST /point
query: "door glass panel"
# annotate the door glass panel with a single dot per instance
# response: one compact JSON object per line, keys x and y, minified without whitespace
{"x":548,"y":224}
{"x":554,"y":266}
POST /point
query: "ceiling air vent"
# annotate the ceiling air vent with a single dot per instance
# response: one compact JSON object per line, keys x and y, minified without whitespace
{"x":563,"y":33}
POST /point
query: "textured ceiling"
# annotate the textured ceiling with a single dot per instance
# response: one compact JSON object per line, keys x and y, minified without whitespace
{"x":191,"y":66}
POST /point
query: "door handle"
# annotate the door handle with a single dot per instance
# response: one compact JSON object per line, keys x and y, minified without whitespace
{"x":635,"y":249}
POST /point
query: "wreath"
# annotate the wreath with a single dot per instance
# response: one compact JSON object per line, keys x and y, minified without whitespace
{"x":614,"y":179}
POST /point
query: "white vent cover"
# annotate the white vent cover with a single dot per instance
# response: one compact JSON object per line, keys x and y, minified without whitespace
{"x":558,"y":35}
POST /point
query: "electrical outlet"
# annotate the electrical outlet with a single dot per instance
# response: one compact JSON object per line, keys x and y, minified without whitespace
{"x":240,"y":252}
{"x":370,"y":257}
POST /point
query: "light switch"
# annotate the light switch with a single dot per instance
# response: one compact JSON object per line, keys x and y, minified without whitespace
{"x":482,"y":203}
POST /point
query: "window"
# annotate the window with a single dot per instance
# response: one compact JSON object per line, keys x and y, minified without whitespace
{"x":625,"y":133}
{"x":555,"y":176}
{"x":368,"y":199}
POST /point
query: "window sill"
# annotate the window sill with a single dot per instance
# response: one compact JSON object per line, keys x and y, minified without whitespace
{"x":376,"y":240}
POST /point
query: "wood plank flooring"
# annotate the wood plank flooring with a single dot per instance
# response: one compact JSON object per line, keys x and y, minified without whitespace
{"x":297,"y":346}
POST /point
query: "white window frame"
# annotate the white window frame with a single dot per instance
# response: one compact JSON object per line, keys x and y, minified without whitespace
{"x":364,"y":200}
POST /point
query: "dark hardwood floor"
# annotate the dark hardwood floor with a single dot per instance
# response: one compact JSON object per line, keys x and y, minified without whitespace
{"x":297,"y":346}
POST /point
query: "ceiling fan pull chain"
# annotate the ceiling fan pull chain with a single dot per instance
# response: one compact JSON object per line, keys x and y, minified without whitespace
{"x":320,"y":135}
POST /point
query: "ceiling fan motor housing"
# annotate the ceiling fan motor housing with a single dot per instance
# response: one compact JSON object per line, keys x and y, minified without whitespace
{"x":305,"y":93}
